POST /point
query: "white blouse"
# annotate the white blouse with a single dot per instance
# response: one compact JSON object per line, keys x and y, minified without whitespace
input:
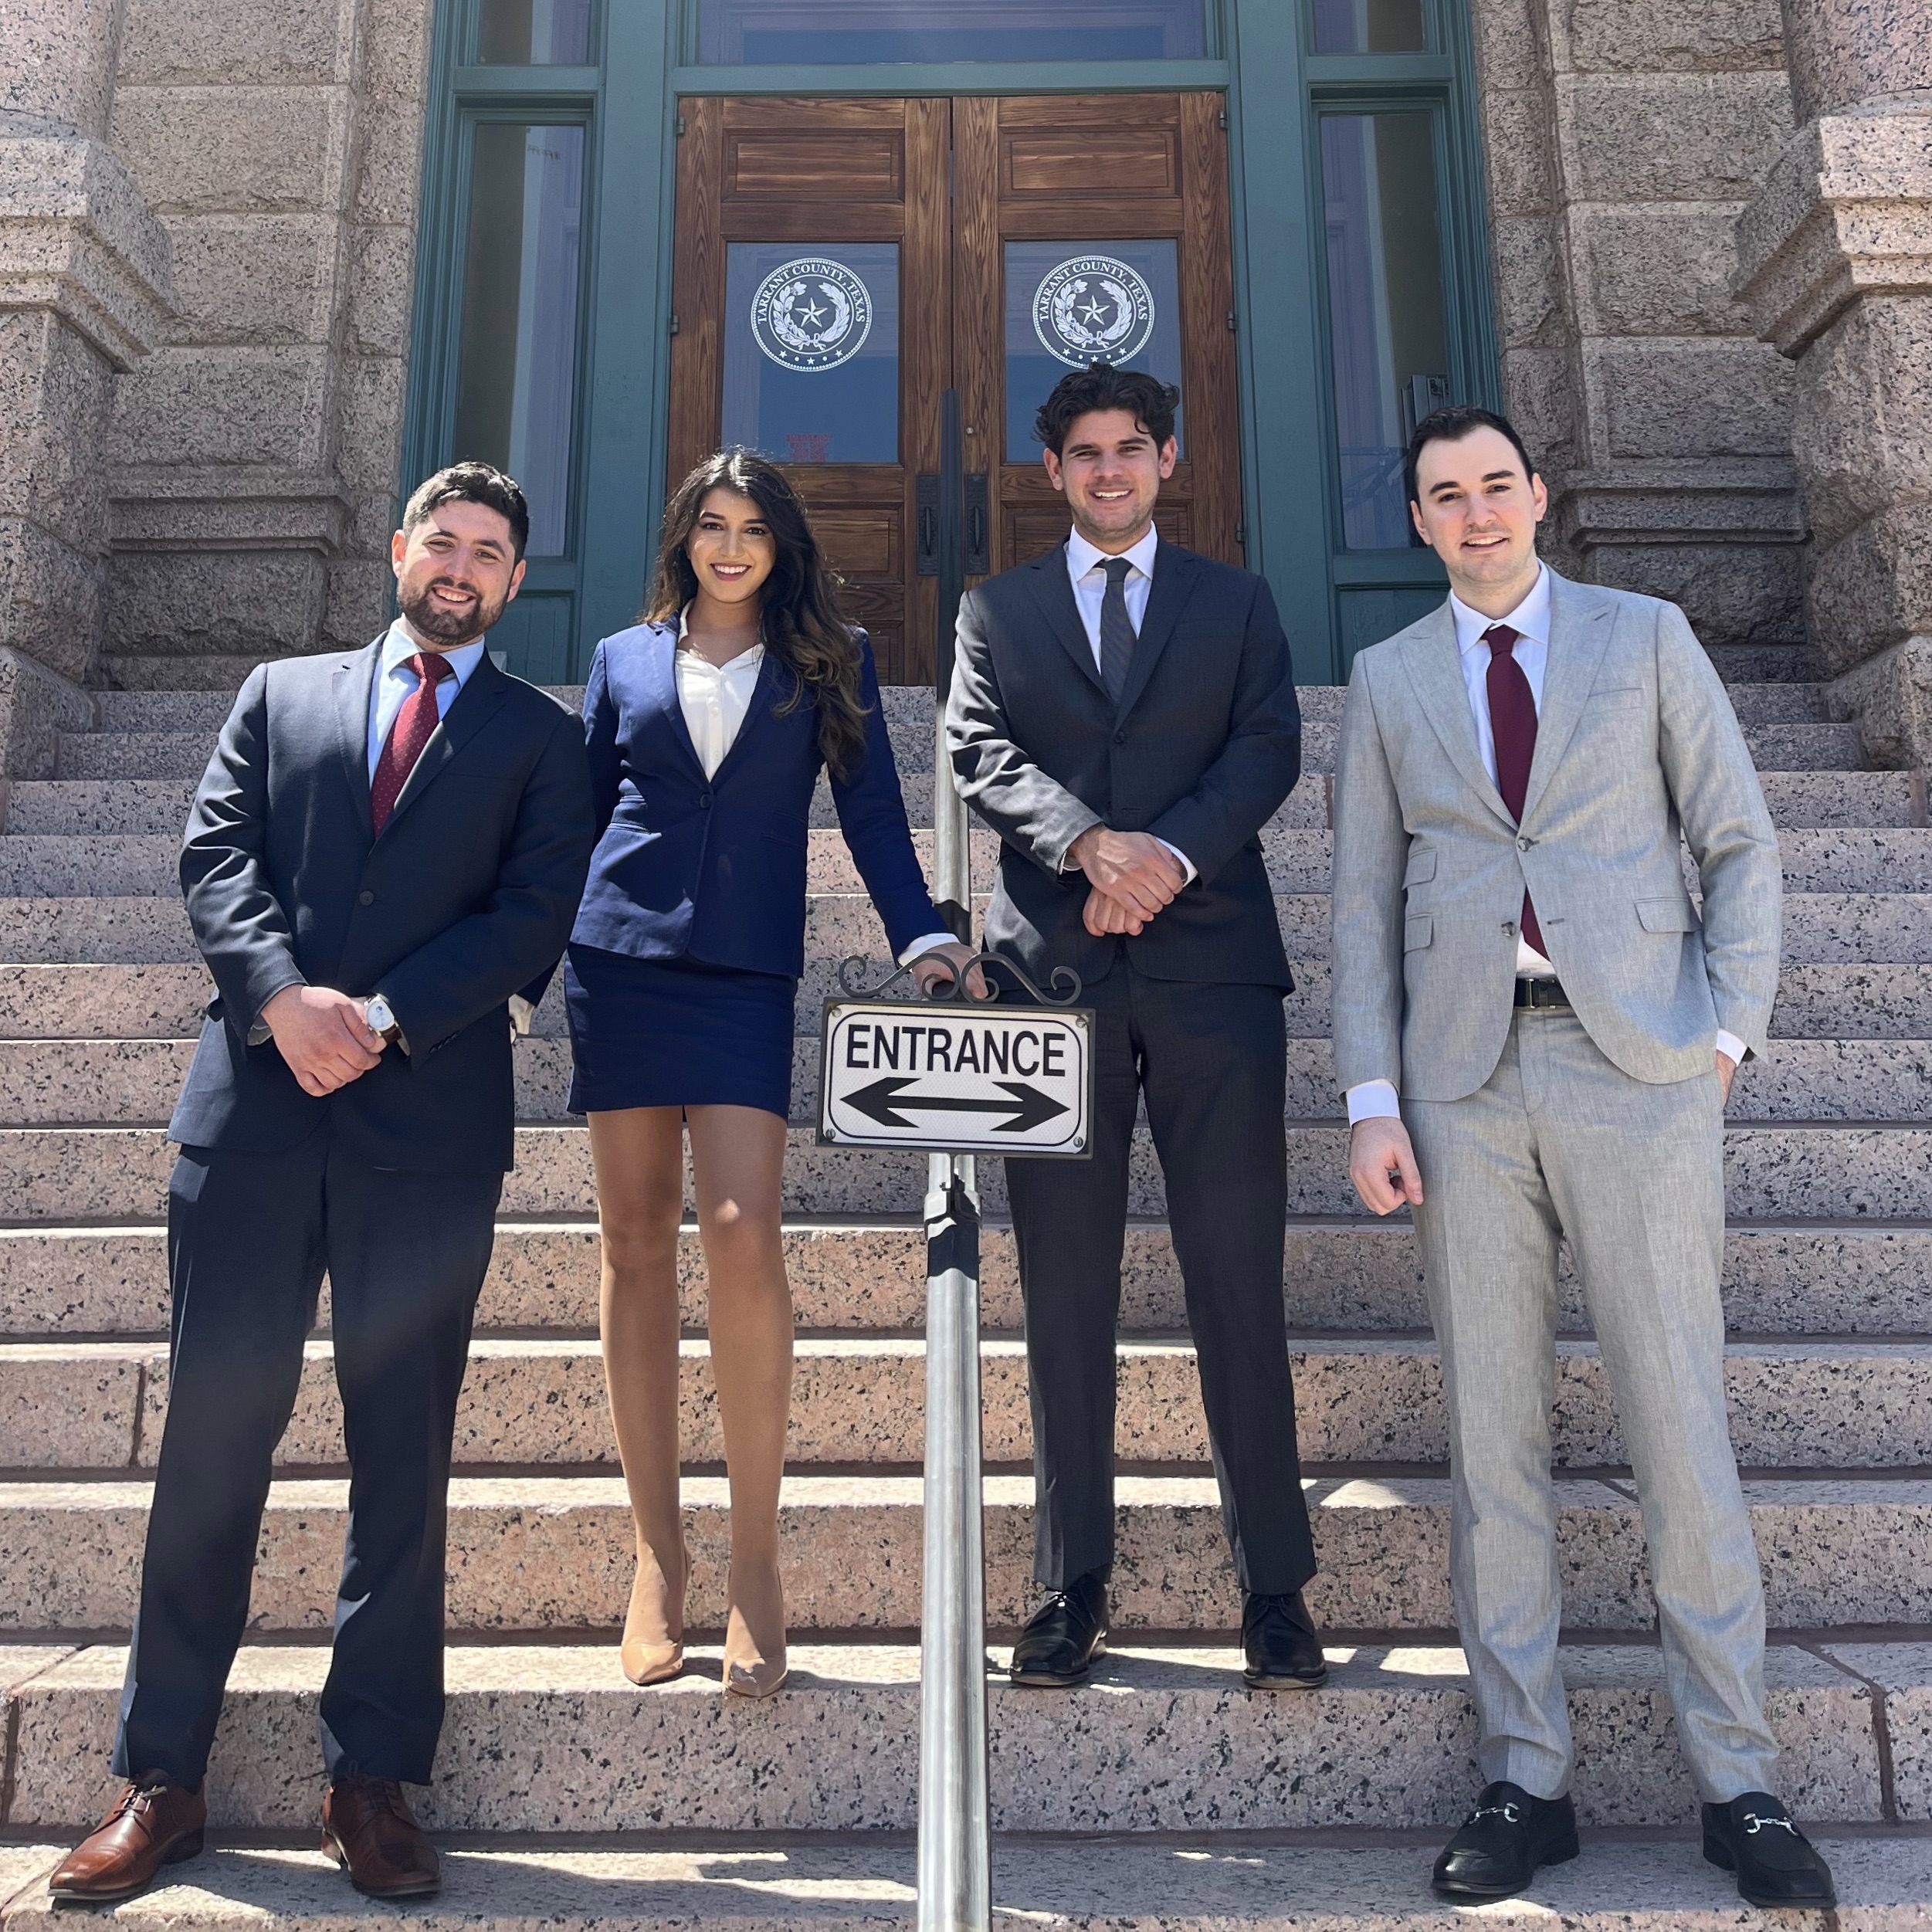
{"x":714,"y":698}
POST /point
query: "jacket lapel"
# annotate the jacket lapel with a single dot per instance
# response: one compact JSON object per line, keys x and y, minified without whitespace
{"x":1054,"y":590}
{"x":1174,"y":574}
{"x":350,"y":692}
{"x":663,"y":659}
{"x":469,"y":710}
{"x":1579,"y":634}
{"x":1434,"y":667}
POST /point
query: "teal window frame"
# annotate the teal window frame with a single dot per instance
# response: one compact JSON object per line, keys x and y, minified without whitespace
{"x":1261,"y":54}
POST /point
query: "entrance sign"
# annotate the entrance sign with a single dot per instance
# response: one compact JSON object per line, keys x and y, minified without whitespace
{"x":962,"y":1074}
{"x":1093,"y":308}
{"x":811,"y":314}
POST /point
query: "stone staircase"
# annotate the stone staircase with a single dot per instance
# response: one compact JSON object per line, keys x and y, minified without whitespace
{"x":576,"y":1801}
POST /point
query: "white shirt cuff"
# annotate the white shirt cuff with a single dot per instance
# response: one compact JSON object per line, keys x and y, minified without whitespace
{"x":1186,"y":864}
{"x":925,"y":944}
{"x":1731,"y":1046}
{"x":521,"y":1014}
{"x":1373,"y":1100}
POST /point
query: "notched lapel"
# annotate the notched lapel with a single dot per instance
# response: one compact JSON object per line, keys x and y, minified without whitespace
{"x":1174,"y":576}
{"x":1054,"y":590}
{"x":663,"y":659}
{"x":1434,"y":667}
{"x":469,"y":710}
{"x":1579,"y":634}
{"x":350,"y":691}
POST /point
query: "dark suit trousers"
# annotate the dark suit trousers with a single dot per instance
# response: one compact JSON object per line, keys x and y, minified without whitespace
{"x":248,"y":1237}
{"x":1211,"y":1059}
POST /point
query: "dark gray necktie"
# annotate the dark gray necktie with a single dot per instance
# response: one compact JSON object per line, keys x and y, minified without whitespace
{"x":1116,"y":629}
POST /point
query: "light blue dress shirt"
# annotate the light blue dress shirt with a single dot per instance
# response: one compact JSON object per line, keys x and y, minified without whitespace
{"x":393,"y":681}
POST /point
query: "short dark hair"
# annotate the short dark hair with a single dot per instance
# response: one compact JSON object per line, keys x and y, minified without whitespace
{"x":471,"y":482}
{"x":1151,"y":401}
{"x":1452,"y":425}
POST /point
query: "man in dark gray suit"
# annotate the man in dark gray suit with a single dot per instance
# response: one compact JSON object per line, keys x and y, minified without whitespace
{"x":386,"y":847}
{"x":1123,"y":714}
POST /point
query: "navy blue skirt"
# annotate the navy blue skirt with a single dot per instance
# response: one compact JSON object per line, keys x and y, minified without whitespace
{"x":676,"y":1032}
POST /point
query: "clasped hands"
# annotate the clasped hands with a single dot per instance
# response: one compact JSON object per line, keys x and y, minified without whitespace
{"x":1132,"y":875}
{"x":1381,"y":1158}
{"x":323,"y":1036}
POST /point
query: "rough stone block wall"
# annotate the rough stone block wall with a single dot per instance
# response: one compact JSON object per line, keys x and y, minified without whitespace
{"x":253,"y":457}
{"x":1621,"y":141}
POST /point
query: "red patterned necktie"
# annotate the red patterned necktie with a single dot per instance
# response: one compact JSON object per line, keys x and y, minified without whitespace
{"x":1512,"y":723}
{"x":416,"y":724}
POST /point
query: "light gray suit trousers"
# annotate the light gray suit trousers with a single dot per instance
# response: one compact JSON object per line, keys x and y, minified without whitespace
{"x":1601,"y":1124}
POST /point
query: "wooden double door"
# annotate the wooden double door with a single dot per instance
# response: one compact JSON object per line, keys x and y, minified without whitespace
{"x":842,"y":265}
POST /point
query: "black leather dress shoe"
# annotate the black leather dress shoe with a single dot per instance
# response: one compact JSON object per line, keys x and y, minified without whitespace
{"x":1775,"y":1862}
{"x":1283,"y":1652}
{"x":1504,"y":1841}
{"x":1063,"y":1636}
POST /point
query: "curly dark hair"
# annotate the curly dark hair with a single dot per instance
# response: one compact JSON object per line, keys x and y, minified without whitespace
{"x":1151,"y":401}
{"x":1451,"y":424}
{"x":804,"y":628}
{"x":471,"y":482}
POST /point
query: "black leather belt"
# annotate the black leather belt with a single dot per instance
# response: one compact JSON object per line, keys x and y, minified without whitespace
{"x":1540,"y":992}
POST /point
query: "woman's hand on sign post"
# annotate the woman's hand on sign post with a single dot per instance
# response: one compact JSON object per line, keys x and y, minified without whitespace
{"x":943,"y":965}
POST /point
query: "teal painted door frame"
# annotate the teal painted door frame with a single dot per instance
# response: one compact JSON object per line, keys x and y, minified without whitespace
{"x":628,"y":104}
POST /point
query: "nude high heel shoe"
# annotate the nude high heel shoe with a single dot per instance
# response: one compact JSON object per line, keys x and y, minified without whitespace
{"x":650,"y":1661}
{"x":747,"y":1672}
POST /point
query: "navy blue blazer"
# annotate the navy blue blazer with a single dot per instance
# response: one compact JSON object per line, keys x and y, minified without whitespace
{"x":465,"y":896}
{"x":714,"y":869}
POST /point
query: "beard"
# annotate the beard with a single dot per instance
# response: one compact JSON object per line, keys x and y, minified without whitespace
{"x":452,"y":630}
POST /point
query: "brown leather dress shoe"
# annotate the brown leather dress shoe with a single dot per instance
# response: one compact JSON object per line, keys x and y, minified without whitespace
{"x":368,"y":1830}
{"x":153,"y":1823}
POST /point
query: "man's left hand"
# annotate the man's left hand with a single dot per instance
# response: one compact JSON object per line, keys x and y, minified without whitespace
{"x":1726,"y":1068}
{"x":1103,"y":917}
{"x":940,"y":965}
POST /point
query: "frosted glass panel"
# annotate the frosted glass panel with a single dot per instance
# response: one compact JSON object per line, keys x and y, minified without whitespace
{"x":517,"y":375}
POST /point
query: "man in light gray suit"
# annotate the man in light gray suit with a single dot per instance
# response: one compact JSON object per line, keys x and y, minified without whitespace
{"x":1537,"y":1033}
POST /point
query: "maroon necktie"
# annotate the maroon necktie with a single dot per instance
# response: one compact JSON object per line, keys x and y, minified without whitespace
{"x":1513,"y":722}
{"x":416,"y":724}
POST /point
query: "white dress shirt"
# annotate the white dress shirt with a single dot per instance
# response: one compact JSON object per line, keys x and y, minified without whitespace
{"x":1375,"y":1099}
{"x":715,"y":699}
{"x":393,"y":681}
{"x":1087,"y":566}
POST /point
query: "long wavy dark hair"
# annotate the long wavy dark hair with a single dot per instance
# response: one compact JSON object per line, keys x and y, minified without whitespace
{"x":804,"y":628}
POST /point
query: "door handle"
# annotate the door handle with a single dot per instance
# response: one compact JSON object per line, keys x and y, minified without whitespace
{"x":926,"y":548}
{"x":979,"y":559}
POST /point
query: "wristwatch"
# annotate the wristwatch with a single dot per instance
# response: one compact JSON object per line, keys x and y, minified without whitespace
{"x":382,"y":1021}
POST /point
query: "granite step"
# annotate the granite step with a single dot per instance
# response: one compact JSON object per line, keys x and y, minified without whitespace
{"x":1856,"y":859}
{"x":167,"y":1001}
{"x":97,"y":1082}
{"x":73,"y":805}
{"x":1202,"y":1882}
{"x":1349,"y":1275}
{"x":1763,"y":664}
{"x":859,"y":1400}
{"x":1825,"y":928}
{"x":1780,"y":703}
{"x":1786,"y":1171}
{"x":530,"y":1553}
{"x":551,"y":1739}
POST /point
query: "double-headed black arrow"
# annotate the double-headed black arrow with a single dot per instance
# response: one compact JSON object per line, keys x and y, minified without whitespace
{"x":1028,"y":1106}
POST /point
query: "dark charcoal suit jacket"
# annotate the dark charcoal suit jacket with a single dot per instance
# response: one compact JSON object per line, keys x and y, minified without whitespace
{"x":1203,"y":747}
{"x":466,"y":897}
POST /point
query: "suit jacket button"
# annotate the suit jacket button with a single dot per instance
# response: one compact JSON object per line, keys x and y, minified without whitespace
{"x":1120,"y":737}
{"x":1508,"y":929}
{"x":1522,"y":845}
{"x":365,"y":899}
{"x":704,"y":799}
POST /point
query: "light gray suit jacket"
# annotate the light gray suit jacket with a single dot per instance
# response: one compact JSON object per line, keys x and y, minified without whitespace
{"x":1636,"y":741}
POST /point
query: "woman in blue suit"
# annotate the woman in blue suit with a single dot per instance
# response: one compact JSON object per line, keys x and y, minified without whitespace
{"x":707,"y":725}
